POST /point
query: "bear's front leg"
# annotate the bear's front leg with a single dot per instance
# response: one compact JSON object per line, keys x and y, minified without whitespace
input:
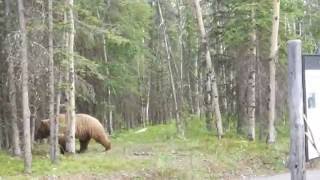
{"x":83,"y":145}
{"x":62,"y":144}
{"x":62,"y":150}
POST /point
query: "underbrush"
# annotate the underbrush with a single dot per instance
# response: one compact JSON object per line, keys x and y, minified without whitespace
{"x":155,"y":150}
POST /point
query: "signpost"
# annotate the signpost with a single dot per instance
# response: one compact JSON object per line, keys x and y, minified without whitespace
{"x":297,"y":131}
{"x":304,"y":108}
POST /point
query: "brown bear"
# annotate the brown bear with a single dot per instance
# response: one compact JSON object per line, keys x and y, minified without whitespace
{"x":87,"y":127}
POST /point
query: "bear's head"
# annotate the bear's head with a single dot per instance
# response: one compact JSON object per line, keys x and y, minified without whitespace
{"x":43,"y":131}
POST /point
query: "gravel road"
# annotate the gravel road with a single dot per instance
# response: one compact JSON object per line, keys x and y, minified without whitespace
{"x":311,"y":175}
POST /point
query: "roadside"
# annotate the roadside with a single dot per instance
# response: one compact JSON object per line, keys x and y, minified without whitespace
{"x":310,"y":175}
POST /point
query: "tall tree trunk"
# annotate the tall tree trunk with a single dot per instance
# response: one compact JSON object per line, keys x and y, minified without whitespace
{"x":110,"y":125}
{"x":211,"y":85}
{"x":12,"y":93}
{"x":191,"y":104}
{"x":180,"y":22}
{"x":233,"y":102}
{"x":67,"y":71}
{"x":70,"y":144}
{"x":252,"y":80}
{"x":105,"y":58}
{"x":5,"y":132}
{"x":2,"y":135}
{"x":57,"y":113}
{"x":25,"y":95}
{"x":148,"y":101}
{"x":53,"y":120}
{"x":58,"y":101}
{"x":179,"y":122}
{"x":260,"y":105}
{"x":225,"y":89}
{"x":272,"y":73}
{"x":110,"y":114}
{"x":33,"y":118}
{"x":142,"y":91}
{"x":197,"y":89}
{"x":220,"y":47}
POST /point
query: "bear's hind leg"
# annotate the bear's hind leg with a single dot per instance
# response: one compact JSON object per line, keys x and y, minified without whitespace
{"x":83,"y":145}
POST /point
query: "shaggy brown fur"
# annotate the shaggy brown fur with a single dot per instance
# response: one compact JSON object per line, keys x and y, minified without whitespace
{"x":87,"y":127}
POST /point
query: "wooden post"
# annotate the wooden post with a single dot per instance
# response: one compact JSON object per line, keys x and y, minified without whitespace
{"x":297,"y":133}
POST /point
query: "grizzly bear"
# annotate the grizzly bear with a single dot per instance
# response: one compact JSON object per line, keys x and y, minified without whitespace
{"x":87,"y":127}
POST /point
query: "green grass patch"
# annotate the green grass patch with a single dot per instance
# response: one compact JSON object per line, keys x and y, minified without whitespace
{"x":80,"y":163}
{"x":200,"y":155}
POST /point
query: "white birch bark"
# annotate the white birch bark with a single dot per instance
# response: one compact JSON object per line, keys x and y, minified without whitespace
{"x":25,"y":94}
{"x":252,"y":80}
{"x":197,"y":89}
{"x":179,"y":124}
{"x":211,"y":89}
{"x":66,"y":71}
{"x":110,"y":112}
{"x":53,"y":120}
{"x":148,"y":101}
{"x":58,"y":101}
{"x":12,"y":92}
{"x":13,"y":107}
{"x":105,"y":58}
{"x":180,"y":22}
{"x":70,"y":144}
{"x":272,"y":73}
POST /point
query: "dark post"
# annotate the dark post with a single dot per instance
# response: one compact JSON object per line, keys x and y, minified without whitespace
{"x":297,"y":143}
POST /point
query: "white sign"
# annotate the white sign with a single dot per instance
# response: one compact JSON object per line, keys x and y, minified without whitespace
{"x":311,"y":83}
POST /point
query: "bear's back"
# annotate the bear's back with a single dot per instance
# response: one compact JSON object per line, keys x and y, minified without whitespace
{"x":91,"y":125}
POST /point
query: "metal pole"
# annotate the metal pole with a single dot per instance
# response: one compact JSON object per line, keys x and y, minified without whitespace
{"x":297,"y":142}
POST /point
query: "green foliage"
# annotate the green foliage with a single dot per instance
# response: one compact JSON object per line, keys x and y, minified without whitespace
{"x":117,"y":40}
{"x":125,"y":25}
{"x":87,"y":68}
{"x":239,"y":23}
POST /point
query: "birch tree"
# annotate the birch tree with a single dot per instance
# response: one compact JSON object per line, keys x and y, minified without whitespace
{"x":179,"y":122}
{"x":53,"y":120}
{"x":12,"y":90}
{"x":252,"y":79}
{"x":70,"y":144}
{"x":13,"y":106}
{"x":180,"y":24}
{"x":272,"y":73}
{"x":197,"y":93}
{"x":25,"y":95}
{"x":109,"y":119}
{"x":212,"y":96}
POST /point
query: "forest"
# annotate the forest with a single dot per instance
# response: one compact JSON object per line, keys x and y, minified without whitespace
{"x":183,"y":89}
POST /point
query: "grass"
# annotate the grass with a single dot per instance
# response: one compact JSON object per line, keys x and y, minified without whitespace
{"x":157,"y":153}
